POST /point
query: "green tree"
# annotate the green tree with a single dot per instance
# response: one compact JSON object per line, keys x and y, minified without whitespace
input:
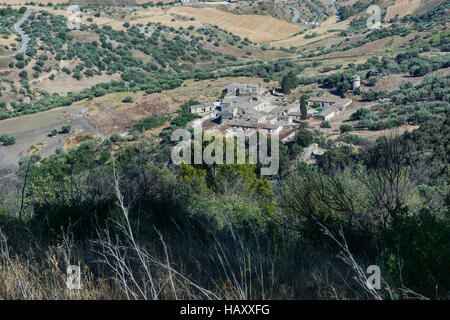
{"x":345,"y":128}
{"x":289,"y":82}
{"x":127,"y":99}
{"x":304,"y":137}
{"x":325,"y":125}
{"x":65,"y":129}
{"x":114,"y":137}
{"x":53,"y":133}
{"x":7,"y":140}
{"x":303,"y":108}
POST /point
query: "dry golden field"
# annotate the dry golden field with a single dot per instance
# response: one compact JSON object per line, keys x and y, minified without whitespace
{"x":255,"y":27}
{"x":405,"y":7}
{"x":299,"y":40}
{"x":64,"y":83}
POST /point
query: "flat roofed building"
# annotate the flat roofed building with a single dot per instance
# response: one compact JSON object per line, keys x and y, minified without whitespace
{"x":321,"y":103}
{"x":329,"y":101}
{"x":280,"y":119}
{"x":287,"y":135}
{"x":327,"y":113}
{"x":229,"y":112}
{"x":251,"y":113}
{"x":271,"y":128}
{"x":242,"y":88}
{"x":204,"y":107}
{"x":233,"y":101}
{"x":343,"y":103}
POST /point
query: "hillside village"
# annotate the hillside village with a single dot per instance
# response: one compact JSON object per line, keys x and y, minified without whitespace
{"x":111,"y":162}
{"x":247,"y":108}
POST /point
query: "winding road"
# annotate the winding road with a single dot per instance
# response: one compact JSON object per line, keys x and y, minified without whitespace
{"x":23,"y":35}
{"x":296,"y":15}
{"x":303,"y":23}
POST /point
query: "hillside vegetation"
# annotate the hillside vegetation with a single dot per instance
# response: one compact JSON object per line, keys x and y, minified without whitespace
{"x":91,"y":182}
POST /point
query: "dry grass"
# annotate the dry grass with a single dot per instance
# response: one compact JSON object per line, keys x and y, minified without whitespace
{"x":50,"y":118}
{"x":405,"y":7}
{"x":7,"y":42}
{"x":299,"y":40}
{"x":63,"y":83}
{"x":334,"y":132}
{"x":32,"y":130}
{"x":33,"y":278}
{"x":112,"y":115}
{"x":257,"y":28}
{"x":84,"y":36}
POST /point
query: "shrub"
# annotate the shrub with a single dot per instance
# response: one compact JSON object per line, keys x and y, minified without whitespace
{"x":105,"y":155}
{"x":360,"y":114}
{"x":114,"y":137}
{"x":417,"y":252}
{"x":53,"y":133}
{"x":325,"y":125}
{"x":345,"y":128}
{"x":304,"y":137}
{"x":127,"y":99}
{"x":7,"y":140}
{"x":65,"y":129}
{"x":151,"y":122}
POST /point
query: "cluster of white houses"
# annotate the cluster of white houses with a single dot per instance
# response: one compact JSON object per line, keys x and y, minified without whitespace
{"x":326,"y":109}
{"x":244,"y":110}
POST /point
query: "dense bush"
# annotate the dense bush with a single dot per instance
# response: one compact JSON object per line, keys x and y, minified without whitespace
{"x":7,"y":140}
{"x":151,"y":122}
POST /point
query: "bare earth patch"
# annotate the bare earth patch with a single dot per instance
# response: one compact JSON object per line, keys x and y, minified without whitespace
{"x":64,"y":83}
{"x":112,"y":115}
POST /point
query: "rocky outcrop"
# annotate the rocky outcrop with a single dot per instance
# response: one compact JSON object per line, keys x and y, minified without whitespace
{"x":308,"y":155}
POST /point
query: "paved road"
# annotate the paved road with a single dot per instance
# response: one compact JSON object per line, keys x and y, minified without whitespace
{"x":23,"y":35}
{"x":296,"y":15}
{"x":303,"y":23}
{"x":319,"y":14}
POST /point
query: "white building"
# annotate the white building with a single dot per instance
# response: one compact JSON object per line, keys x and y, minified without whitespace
{"x":242,"y":88}
{"x":204,"y":107}
{"x":323,"y":103}
{"x":327,"y":113}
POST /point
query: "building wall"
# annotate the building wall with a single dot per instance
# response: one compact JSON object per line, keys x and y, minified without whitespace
{"x":321,"y":103}
{"x":326,"y":117}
